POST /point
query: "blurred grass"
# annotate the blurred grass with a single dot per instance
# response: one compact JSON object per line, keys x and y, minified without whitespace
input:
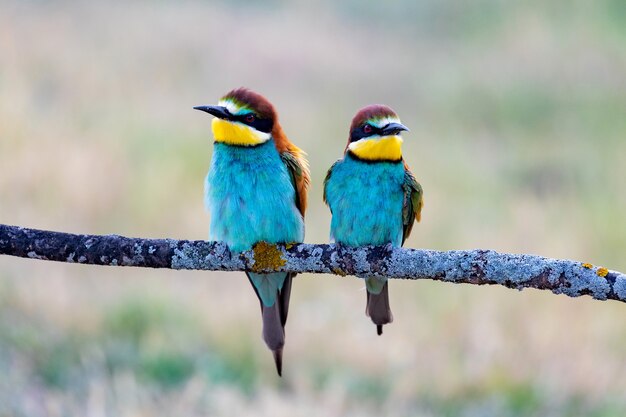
{"x":517,"y":135}
{"x":161,"y":350}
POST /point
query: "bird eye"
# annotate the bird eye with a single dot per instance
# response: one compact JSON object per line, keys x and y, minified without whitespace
{"x":250,"y":118}
{"x":367,"y":129}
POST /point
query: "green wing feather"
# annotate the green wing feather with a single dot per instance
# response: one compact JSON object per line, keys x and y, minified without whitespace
{"x":413,"y":203}
{"x":328,"y":174}
{"x":300,"y":177}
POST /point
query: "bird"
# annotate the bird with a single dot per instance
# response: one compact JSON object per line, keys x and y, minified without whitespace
{"x":256,"y":191}
{"x":373,"y":197}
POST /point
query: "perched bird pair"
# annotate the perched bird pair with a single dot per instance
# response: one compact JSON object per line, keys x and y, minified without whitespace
{"x":256,"y":190}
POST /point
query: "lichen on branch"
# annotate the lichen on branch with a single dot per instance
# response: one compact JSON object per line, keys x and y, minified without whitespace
{"x":477,"y":267}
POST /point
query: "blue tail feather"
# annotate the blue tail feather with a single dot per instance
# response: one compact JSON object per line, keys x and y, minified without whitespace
{"x":268,"y":285}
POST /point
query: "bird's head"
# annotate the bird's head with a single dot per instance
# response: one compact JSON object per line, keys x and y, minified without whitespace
{"x":242,"y":118}
{"x":375,"y":134}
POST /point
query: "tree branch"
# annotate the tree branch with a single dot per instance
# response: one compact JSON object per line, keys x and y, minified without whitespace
{"x":470,"y":267}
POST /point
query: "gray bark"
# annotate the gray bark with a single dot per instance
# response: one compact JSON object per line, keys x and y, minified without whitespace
{"x":478,"y":266}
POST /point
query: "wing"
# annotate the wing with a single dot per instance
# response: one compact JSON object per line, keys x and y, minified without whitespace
{"x":298,"y":167}
{"x":328,"y":174}
{"x":296,"y":163}
{"x":413,"y":202}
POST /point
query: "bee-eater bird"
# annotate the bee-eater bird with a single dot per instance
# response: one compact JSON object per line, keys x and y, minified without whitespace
{"x":256,"y":190}
{"x":373,"y":196}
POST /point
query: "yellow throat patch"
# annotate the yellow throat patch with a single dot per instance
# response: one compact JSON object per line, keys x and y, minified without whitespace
{"x":387,"y":148}
{"x":237,"y":133}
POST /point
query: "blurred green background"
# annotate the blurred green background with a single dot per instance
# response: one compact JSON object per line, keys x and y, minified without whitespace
{"x":517,"y":113}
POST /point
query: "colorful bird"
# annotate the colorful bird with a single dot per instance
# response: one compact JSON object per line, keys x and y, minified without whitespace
{"x":256,"y":190}
{"x":373,"y":196}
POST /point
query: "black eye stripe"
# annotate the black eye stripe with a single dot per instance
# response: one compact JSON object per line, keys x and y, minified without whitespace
{"x":375,"y":130}
{"x":262,"y":125}
{"x":360,"y":133}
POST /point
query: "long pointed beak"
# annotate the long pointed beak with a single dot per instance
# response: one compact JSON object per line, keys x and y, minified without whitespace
{"x":217,"y":111}
{"x":393,"y":129}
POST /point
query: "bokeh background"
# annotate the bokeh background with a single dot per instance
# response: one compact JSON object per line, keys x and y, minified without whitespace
{"x":517,"y":113}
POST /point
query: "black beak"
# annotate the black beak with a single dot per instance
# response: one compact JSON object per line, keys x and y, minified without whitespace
{"x":393,"y":129}
{"x":217,"y":111}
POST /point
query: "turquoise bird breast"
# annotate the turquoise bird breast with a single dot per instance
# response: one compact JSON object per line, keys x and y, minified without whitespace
{"x":366,"y":200}
{"x":251,"y":198}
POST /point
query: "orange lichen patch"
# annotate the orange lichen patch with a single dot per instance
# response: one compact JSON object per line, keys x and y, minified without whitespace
{"x":602,"y":272}
{"x":267,"y":257}
{"x":587,"y":265}
{"x":339,"y":271}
